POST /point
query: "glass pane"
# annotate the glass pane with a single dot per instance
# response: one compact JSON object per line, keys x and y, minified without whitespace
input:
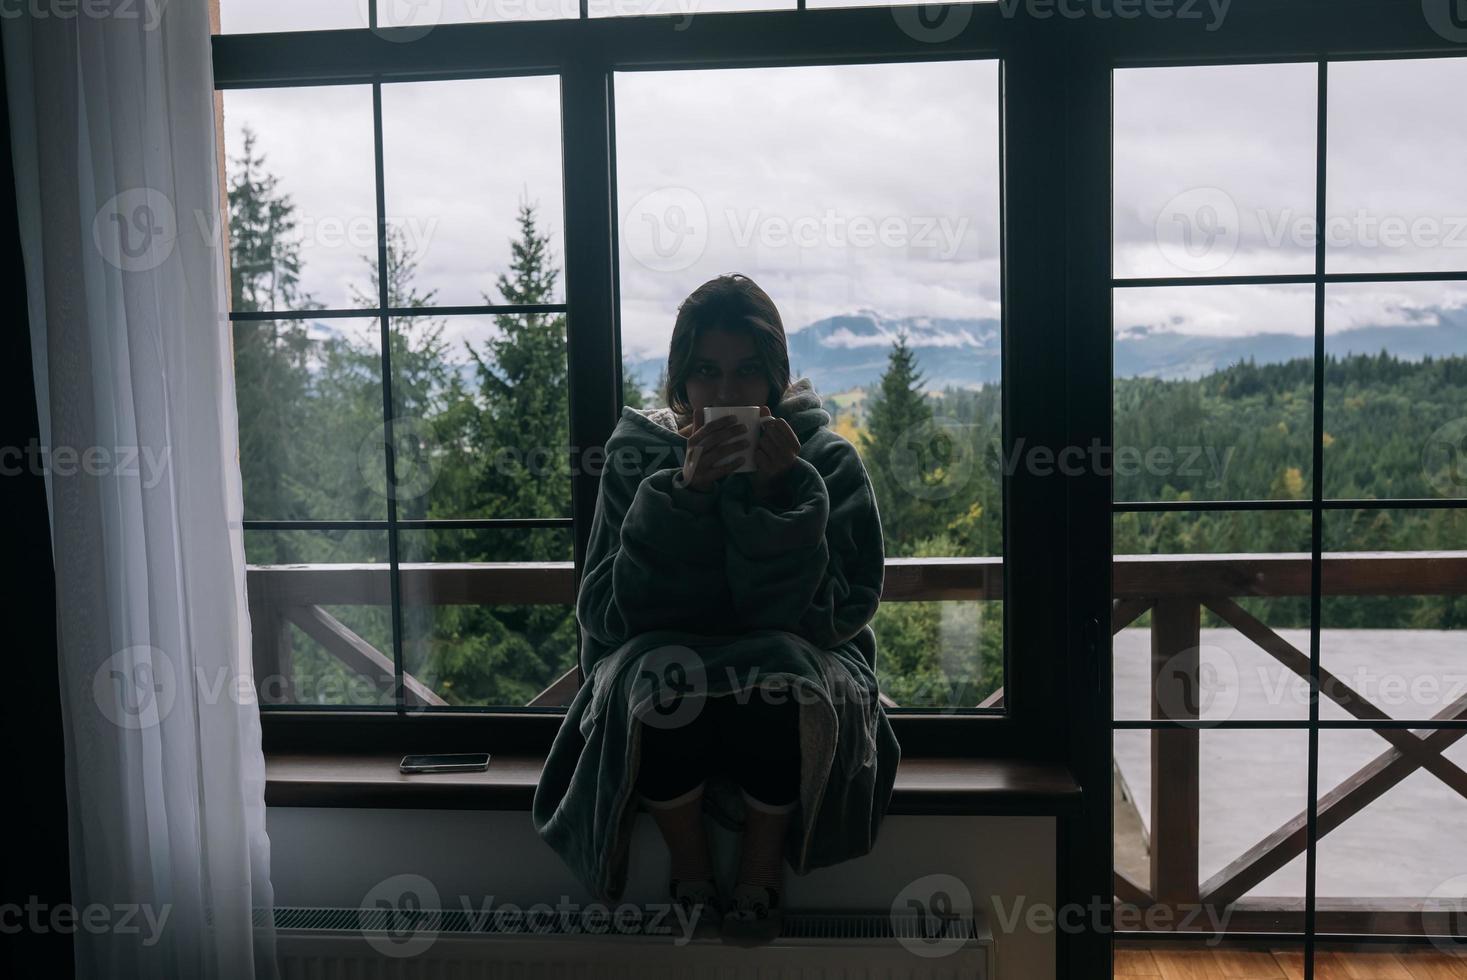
{"x":320,"y":617}
{"x":1214,"y":170}
{"x":1394,"y":610}
{"x":819,"y":203}
{"x":926,"y":24}
{"x":941,"y":654}
{"x":309,"y":400}
{"x":887,"y":283}
{"x":1215,"y":614}
{"x":470,"y":166}
{"x":424,"y":15}
{"x":1395,"y":407}
{"x":686,"y":9}
{"x":1214,"y":392}
{"x":1253,"y":783}
{"x":416,"y":17}
{"x":1209,"y":801}
{"x":302,"y":197}
{"x":268,"y":16}
{"x":1397,"y":861}
{"x":494,"y":627}
{"x":482,"y":417}
{"x":1395,"y":197}
{"x":1130,"y":799}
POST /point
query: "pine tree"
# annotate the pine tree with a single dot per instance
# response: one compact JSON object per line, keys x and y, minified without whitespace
{"x":937,"y":655}
{"x":271,"y":357}
{"x":901,"y":448}
{"x":265,"y":260}
{"x":428,"y":398}
{"x":519,"y":434}
{"x":523,"y":434}
{"x":631,"y":388}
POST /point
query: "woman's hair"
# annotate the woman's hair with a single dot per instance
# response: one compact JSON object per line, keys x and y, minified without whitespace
{"x":731,"y":302}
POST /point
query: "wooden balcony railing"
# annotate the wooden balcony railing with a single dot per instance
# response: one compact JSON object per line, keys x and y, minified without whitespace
{"x":1174,"y":589}
{"x":284,"y":595}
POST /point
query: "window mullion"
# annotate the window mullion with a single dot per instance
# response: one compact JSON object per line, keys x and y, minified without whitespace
{"x":1316,"y":523}
{"x":385,"y":323}
{"x":593,"y":359}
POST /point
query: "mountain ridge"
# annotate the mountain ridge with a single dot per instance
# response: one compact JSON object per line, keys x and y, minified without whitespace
{"x":850,"y":350}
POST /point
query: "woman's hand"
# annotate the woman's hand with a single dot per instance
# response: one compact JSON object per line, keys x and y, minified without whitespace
{"x":713,"y":451}
{"x":774,"y":456}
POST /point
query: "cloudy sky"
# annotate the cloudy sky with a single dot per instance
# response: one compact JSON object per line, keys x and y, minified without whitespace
{"x":875,"y":187}
{"x":1215,"y":176}
{"x":836,"y":188}
{"x":248,"y":16}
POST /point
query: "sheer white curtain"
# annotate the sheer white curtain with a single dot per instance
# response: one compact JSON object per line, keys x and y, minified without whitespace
{"x":112,"y":127}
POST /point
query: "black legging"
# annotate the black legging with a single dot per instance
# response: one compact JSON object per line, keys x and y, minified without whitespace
{"x":755,"y":741}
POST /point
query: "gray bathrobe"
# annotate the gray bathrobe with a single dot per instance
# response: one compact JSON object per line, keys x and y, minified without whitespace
{"x":686,"y":595}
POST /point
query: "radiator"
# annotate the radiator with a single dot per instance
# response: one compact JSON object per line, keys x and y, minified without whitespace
{"x":365,"y":944}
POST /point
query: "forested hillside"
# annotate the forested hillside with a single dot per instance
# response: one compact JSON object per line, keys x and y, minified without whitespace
{"x":481,"y":430}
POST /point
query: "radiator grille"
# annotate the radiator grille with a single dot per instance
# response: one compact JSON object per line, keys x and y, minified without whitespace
{"x":814,"y":926}
{"x":377,"y":944}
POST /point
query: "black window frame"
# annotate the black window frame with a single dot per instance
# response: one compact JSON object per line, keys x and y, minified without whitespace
{"x":1305,"y":33}
{"x":585,"y":54}
{"x":1057,"y":312}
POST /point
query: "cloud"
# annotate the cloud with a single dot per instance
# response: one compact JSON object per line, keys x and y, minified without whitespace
{"x":844,"y":337}
{"x":910,"y":142}
{"x":1245,"y":135}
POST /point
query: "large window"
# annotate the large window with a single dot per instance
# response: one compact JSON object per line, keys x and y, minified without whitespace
{"x":401,"y":319}
{"x":1290,"y":392}
{"x":399,"y":326}
{"x":459,"y":235}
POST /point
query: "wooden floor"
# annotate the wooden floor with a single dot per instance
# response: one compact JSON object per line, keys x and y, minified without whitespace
{"x":1238,"y":964}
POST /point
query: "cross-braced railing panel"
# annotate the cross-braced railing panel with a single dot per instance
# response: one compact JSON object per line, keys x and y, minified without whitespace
{"x":282,"y":596}
{"x":1175,"y":590}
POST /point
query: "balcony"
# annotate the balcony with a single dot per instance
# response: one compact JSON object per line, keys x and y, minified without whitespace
{"x":1160,"y":848}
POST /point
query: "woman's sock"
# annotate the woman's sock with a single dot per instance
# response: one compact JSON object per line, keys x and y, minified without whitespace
{"x":762,"y":860}
{"x":681,"y":821}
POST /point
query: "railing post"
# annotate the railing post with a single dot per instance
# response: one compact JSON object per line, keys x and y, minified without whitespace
{"x":1176,"y":633}
{"x":270,"y":650}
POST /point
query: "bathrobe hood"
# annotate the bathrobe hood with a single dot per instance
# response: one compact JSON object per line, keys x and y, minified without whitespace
{"x":687,"y":595}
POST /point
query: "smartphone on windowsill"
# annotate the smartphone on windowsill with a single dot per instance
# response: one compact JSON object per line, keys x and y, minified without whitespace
{"x":458,"y":762}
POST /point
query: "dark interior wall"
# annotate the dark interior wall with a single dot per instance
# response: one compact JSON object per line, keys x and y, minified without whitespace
{"x":37,"y":873}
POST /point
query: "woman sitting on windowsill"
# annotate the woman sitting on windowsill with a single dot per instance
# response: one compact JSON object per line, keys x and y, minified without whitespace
{"x":729,"y":660}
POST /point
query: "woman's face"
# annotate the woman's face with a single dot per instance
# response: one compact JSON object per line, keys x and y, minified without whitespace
{"x":726,"y":370}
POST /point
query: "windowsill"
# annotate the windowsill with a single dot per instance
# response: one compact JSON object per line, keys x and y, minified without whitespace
{"x":924,"y":785}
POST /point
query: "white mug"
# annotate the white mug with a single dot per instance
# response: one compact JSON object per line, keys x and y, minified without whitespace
{"x":749,"y":416}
